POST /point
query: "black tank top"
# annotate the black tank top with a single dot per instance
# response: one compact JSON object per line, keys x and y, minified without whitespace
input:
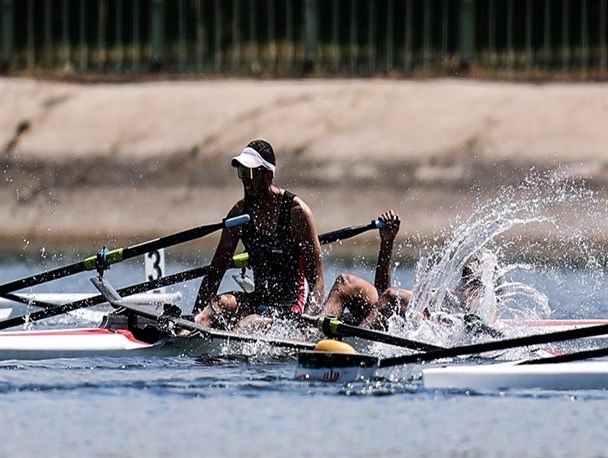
{"x":275,"y":261}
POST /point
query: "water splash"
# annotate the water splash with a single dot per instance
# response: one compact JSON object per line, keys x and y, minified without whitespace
{"x":545,"y":206}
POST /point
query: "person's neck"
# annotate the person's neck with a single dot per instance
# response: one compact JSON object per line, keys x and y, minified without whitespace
{"x":265,"y":198}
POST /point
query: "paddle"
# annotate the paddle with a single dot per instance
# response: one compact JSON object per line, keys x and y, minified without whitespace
{"x":332,"y":327}
{"x":121,"y":254}
{"x":239,"y":260}
{"x":113,"y":297}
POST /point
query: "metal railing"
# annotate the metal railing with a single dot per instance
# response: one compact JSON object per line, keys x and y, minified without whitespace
{"x":289,"y":37}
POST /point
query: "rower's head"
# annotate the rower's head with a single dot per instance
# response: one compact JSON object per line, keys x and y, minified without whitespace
{"x":480,"y":272}
{"x":471,"y":274}
{"x":257,"y":159}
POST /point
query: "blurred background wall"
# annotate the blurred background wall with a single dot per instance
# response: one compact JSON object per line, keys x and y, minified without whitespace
{"x":516,"y":38}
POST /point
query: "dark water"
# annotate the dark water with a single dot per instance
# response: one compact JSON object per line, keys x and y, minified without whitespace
{"x":180,"y":407}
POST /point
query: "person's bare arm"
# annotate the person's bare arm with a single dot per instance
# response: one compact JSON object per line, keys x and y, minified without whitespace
{"x":305,"y":232}
{"x":220,"y":262}
{"x":382,"y":279}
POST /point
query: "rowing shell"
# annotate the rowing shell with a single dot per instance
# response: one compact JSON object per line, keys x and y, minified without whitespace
{"x":98,"y":342}
{"x":584,"y":375}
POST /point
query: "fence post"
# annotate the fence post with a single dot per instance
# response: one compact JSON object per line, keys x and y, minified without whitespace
{"x":158,"y":20}
{"x":310,"y":35}
{"x":603,"y":54}
{"x":7,"y":34}
{"x":466,"y":32}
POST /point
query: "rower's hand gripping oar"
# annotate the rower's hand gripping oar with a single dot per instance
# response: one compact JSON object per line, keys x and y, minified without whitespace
{"x":121,"y":254}
{"x":332,"y":327}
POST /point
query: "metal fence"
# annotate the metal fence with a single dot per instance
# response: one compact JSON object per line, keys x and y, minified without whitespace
{"x":288,"y":37}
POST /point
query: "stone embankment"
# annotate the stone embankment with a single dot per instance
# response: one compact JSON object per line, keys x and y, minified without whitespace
{"x":87,"y":164}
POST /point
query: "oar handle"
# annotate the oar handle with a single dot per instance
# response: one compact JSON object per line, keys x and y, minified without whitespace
{"x":348,"y":232}
{"x":174,"y":239}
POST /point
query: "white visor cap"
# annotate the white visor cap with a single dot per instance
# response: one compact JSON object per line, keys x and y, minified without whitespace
{"x":251,"y":158}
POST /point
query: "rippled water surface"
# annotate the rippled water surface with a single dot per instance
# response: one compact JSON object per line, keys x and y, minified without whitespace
{"x":254,"y":407}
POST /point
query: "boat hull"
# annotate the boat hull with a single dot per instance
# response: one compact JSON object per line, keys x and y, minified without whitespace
{"x":96,"y":342}
{"x":584,"y":375}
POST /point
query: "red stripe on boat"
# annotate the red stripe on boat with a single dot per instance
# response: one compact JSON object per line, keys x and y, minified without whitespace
{"x":75,"y":332}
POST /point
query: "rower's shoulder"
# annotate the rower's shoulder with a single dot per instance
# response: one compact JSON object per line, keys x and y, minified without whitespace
{"x":300,"y":208}
{"x":237,"y":209}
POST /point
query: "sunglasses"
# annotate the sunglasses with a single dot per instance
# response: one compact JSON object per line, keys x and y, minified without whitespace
{"x":243,"y":172}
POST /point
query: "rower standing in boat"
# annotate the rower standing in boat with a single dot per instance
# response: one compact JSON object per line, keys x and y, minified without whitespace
{"x":283,"y":246}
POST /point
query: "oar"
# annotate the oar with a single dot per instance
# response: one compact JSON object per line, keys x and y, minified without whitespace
{"x":121,"y":254}
{"x":568,"y":357}
{"x":348,"y":232}
{"x":538,"y":339}
{"x":99,"y":299}
{"x":26,"y":301}
{"x":340,"y":363}
{"x":239,"y":260}
{"x":113,"y":297}
{"x":332,"y":327}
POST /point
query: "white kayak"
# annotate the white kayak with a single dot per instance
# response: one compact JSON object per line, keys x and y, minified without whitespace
{"x":583,"y":375}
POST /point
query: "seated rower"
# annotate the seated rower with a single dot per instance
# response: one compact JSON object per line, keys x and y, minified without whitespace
{"x":283,"y":245}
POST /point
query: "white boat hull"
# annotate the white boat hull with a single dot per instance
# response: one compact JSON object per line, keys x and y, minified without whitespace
{"x":584,"y":375}
{"x":96,"y":342}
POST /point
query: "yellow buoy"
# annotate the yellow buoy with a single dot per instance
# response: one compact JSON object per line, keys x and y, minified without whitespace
{"x":334,"y":346}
